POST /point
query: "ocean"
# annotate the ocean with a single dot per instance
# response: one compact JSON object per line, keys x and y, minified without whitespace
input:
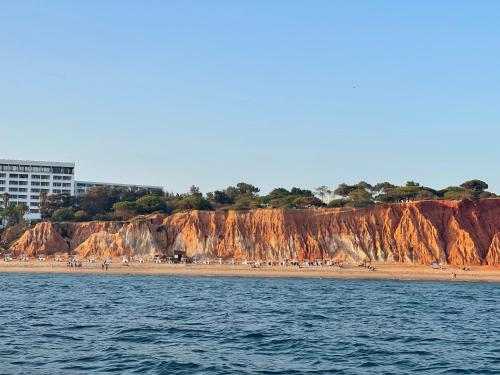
{"x":105,"y":324}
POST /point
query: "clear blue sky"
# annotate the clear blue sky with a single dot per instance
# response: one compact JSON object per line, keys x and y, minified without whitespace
{"x":275,"y":93}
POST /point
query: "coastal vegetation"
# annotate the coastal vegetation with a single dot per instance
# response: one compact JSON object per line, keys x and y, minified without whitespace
{"x":105,"y":203}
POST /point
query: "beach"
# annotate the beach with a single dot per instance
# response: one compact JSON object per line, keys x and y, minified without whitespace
{"x":382,"y":271}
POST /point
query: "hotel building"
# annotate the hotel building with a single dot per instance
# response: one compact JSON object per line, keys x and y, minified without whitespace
{"x":24,"y":180}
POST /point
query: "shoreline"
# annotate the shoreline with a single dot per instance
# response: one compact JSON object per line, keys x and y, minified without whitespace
{"x":349,"y":272}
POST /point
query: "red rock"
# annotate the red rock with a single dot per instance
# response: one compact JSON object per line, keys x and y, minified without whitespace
{"x":460,"y":233}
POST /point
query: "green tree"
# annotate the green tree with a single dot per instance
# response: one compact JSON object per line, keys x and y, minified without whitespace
{"x":363,"y":185}
{"x":195,"y":190}
{"x":63,"y":214}
{"x":194,"y":202}
{"x":245,"y":188}
{"x":323,"y":191}
{"x":302,"y":192}
{"x":360,"y":198}
{"x":50,"y":203}
{"x":128,"y":209}
{"x":307,"y":202}
{"x":151,"y":203}
{"x":343,"y":190}
{"x":453,"y":193}
{"x":81,"y":215}
{"x":278,"y":193}
{"x":412,"y":183}
{"x":14,"y":214}
{"x":474,"y":187}
{"x":221,"y":197}
{"x":383,"y":187}
{"x":425,"y":195}
{"x":99,"y":200}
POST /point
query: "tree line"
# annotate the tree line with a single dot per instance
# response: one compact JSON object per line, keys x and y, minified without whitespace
{"x":113,"y":203}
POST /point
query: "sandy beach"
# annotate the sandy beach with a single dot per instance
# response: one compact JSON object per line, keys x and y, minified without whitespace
{"x":383,"y":271}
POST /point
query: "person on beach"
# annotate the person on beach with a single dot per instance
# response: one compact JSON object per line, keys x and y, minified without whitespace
{"x":453,"y":275}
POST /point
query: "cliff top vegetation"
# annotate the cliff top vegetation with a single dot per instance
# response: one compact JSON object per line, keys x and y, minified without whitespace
{"x":104,"y":203}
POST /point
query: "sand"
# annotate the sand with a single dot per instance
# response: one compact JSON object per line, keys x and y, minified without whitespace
{"x":383,"y":271}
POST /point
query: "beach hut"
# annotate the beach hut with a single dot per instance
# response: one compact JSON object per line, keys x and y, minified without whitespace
{"x":58,"y":257}
{"x":141,"y":259}
{"x":294,"y":262}
{"x":157,"y":259}
{"x":41,"y":257}
{"x":178,"y":255}
{"x":282,"y":263}
{"x":23,"y":258}
{"x":7,"y":257}
{"x":125,"y":260}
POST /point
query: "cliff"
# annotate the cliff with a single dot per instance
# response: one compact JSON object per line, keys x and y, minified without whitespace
{"x":460,"y":233}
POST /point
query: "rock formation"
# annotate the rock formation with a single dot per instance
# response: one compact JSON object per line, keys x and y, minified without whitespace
{"x":459,"y":233}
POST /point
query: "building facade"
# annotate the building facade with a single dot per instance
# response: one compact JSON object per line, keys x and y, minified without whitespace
{"x":24,"y":180}
{"x":81,"y":187}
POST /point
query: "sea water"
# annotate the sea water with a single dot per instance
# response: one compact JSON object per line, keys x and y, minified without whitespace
{"x":75,"y":324}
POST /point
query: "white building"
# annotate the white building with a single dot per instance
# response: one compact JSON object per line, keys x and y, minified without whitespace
{"x":24,"y":180}
{"x":81,"y":187}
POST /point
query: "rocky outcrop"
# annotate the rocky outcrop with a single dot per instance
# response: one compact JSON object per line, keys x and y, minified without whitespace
{"x":460,"y":233}
{"x":12,"y":233}
{"x":44,"y":238}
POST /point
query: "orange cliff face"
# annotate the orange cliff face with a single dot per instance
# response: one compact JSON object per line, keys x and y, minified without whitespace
{"x":460,"y":233}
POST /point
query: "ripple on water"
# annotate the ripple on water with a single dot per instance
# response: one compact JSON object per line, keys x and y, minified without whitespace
{"x":59,"y":324}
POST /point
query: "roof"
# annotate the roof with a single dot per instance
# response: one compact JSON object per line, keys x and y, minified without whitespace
{"x":37,"y":163}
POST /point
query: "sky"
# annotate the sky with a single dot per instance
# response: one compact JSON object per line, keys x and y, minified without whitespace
{"x":274,"y":93}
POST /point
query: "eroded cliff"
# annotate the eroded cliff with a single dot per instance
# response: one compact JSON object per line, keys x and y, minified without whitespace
{"x":460,"y":233}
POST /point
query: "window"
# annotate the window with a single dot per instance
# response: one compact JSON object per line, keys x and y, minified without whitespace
{"x":2,"y":189}
{"x":45,"y":177}
{"x":13,"y":182}
{"x":35,"y":183}
{"x":35,"y":190}
{"x":66,"y":191}
{"x":44,"y":183}
{"x":65,"y":178}
{"x":2,"y":182}
{"x":13,"y":175}
{"x":2,"y":174}
{"x":35,"y":197}
{"x":23,"y":182}
{"x":35,"y":176}
{"x":23,"y":190}
{"x":57,"y":184}
{"x":65,"y":184}
{"x":13,"y":189}
{"x":44,"y":190}
{"x":56,"y":191}
{"x":34,"y":211}
{"x":22,"y":197}
{"x":34,"y":204}
{"x":57,"y":177}
{"x":23,"y":176}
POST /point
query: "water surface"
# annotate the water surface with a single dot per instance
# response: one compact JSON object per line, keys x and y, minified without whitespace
{"x":75,"y":324}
